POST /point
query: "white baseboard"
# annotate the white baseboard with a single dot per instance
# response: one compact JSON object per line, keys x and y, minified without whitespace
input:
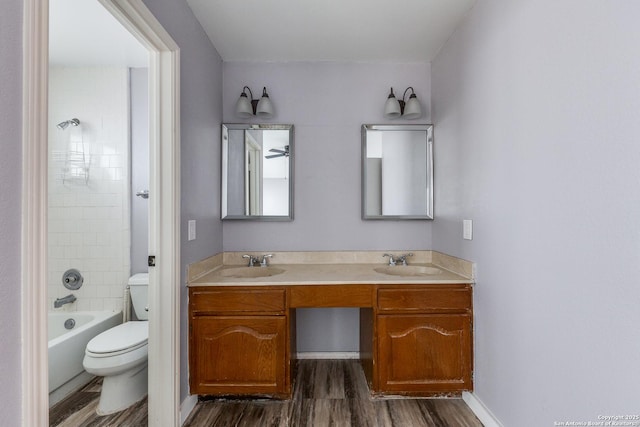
{"x":328,"y":355}
{"x":187,"y":406}
{"x":480,"y":410}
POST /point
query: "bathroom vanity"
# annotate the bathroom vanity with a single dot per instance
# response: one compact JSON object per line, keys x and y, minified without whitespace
{"x":415,"y":321}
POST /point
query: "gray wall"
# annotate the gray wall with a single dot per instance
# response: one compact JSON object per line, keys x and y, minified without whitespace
{"x":139,"y":98}
{"x":201,"y":110}
{"x":10,"y":202}
{"x":535,"y":107}
{"x":327,"y":102}
{"x":536,"y":114}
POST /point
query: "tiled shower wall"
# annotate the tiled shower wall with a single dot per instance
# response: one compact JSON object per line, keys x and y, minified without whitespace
{"x":89,"y":220}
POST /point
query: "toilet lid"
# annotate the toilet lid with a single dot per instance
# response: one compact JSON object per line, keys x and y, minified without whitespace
{"x":127,"y":336}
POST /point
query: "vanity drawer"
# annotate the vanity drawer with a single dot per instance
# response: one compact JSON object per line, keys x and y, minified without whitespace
{"x":331,"y":296}
{"x":435,"y":298}
{"x":237,"y":300}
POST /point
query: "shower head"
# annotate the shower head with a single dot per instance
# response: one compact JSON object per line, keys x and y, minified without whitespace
{"x":63,"y":125}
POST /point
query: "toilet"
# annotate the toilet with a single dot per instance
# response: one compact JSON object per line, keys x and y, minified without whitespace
{"x":119,"y":354}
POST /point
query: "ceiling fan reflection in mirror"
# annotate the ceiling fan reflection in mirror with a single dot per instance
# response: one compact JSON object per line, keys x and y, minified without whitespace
{"x":279,"y":153}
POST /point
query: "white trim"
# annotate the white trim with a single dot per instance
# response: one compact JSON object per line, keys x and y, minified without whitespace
{"x":164,"y":138}
{"x":35,"y":71}
{"x":187,"y":406}
{"x":328,"y":355}
{"x":164,"y":209}
{"x":480,"y":410}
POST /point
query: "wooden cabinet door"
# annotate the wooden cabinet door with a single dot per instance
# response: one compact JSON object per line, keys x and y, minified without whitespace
{"x":239,"y":355}
{"x":424,"y":354}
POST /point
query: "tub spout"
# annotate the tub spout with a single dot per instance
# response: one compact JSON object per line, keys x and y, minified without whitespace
{"x":59,"y":302}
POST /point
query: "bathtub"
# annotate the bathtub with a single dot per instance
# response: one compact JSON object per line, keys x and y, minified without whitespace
{"x":66,"y":346}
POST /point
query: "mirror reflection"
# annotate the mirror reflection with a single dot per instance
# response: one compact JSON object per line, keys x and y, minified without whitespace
{"x":397,"y":172}
{"x":257,"y":172}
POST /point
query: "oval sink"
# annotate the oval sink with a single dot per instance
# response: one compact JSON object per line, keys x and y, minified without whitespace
{"x":250,"y":272}
{"x":408,"y":270}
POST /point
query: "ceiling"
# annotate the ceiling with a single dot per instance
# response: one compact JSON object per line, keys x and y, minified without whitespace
{"x":84,"y":33}
{"x":329,"y":30}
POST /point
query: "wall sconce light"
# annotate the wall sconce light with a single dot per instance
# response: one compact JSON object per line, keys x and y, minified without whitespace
{"x":246,"y":108}
{"x":410,"y":109}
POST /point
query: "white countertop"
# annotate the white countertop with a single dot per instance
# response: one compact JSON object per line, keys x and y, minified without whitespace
{"x":323,"y":274}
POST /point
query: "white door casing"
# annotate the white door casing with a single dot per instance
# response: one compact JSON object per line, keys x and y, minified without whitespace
{"x":164,"y":210}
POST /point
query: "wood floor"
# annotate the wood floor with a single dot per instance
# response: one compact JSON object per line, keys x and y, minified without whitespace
{"x":79,"y":410}
{"x":326,"y":393}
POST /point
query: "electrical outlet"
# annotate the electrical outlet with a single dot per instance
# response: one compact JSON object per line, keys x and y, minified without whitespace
{"x":467,"y":229}
{"x":192,"y":229}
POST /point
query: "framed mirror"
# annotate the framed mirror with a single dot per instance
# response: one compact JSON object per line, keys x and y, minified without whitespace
{"x":257,"y":172}
{"x":397,"y":171}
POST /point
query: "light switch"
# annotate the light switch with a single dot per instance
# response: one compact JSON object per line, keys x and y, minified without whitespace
{"x":192,"y":229}
{"x":467,"y":229}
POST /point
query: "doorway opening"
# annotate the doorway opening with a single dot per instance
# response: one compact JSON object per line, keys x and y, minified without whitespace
{"x":163,"y":213}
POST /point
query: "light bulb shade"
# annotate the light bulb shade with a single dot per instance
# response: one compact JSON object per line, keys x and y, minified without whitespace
{"x":392,"y":108}
{"x":243,"y":106}
{"x":265,"y":107}
{"x":412,"y":109}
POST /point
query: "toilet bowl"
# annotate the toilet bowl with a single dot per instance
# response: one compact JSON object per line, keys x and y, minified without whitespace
{"x":120,"y":356}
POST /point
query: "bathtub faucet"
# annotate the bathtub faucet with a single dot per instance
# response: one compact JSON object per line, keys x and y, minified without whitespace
{"x":59,"y":302}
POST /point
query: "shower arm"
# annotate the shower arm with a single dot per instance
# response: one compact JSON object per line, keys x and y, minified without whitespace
{"x":63,"y":125}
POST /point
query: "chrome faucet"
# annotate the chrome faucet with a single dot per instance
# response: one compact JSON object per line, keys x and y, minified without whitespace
{"x":403,"y":258}
{"x":59,"y":302}
{"x":392,"y":260}
{"x":264,"y":262}
{"x":252,"y":260}
{"x":395,"y":260}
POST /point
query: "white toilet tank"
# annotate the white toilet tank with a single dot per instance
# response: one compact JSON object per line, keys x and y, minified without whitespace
{"x":138,"y":289}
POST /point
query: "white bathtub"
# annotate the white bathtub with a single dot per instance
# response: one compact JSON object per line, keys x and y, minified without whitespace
{"x":66,"y":346}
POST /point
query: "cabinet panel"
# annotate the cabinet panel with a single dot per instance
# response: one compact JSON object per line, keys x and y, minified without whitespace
{"x":414,"y":340}
{"x":239,"y":355}
{"x":434,"y":298}
{"x":331,"y":296}
{"x":247,"y":300}
{"x":424,"y":354}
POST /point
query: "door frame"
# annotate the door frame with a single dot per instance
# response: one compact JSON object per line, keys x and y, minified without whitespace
{"x":164,"y":210}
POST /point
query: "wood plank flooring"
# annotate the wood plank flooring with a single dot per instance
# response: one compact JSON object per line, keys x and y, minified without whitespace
{"x":326,"y":393}
{"x":332,"y":393}
{"x":79,"y":410}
